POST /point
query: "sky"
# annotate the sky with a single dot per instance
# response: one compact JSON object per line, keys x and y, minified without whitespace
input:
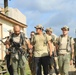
{"x":49,"y":13}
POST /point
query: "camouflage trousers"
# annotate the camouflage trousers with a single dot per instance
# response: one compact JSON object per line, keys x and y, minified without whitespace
{"x":64,"y":63}
{"x":18,"y":65}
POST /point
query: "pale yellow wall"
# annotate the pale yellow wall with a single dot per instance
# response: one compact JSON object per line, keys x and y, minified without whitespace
{"x":0,"y":42}
{"x":6,"y":25}
{"x":17,"y":15}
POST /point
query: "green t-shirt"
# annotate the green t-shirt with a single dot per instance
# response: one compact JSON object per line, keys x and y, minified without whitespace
{"x":40,"y":45}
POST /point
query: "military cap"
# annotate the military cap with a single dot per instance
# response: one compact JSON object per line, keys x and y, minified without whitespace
{"x":49,"y":29}
{"x":65,"y":27}
{"x":39,"y":26}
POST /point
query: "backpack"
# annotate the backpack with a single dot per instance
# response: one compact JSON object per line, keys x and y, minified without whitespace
{"x":68,"y":46}
{"x":53,"y":38}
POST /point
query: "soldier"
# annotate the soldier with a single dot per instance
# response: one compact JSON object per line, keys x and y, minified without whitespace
{"x":41,"y":55}
{"x":52,"y":63}
{"x":65,"y":47}
{"x":75,"y":51}
{"x":31,"y":57}
{"x":17,"y":40}
{"x":8,"y":55}
{"x":49,"y":31}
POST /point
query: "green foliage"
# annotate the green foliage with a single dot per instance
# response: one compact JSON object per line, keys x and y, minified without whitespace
{"x":27,"y":69}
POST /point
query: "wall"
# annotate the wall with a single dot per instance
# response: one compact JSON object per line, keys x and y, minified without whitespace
{"x":17,"y":15}
{"x":0,"y":41}
{"x":5,"y":27}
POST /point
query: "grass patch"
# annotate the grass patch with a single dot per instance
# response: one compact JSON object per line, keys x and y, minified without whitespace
{"x":27,"y":69}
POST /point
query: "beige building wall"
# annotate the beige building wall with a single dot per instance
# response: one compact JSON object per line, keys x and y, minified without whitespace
{"x":5,"y":27}
{"x":0,"y":41}
{"x":17,"y":15}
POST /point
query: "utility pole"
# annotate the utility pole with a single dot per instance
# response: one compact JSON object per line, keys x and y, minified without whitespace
{"x":6,"y":7}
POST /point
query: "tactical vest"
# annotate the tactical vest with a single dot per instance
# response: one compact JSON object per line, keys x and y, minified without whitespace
{"x":16,"y":54}
{"x":45,"y":41}
{"x":22,"y":38}
{"x":53,"y":38}
{"x":68,"y":46}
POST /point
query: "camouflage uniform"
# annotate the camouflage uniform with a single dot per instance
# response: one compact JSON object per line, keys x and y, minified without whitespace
{"x":17,"y":58}
{"x":8,"y":56}
{"x":53,"y":63}
{"x":64,"y":51}
{"x":31,"y":57}
{"x":75,"y":51}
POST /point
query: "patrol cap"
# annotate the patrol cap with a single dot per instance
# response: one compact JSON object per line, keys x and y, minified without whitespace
{"x":65,"y":27}
{"x":39,"y":26}
{"x":49,"y":29}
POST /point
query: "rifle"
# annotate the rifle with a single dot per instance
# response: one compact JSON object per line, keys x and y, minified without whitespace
{"x":5,"y":37}
{"x":17,"y":47}
{"x":2,"y":42}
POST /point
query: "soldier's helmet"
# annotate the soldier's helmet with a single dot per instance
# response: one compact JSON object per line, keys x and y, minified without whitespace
{"x":49,"y":29}
{"x":65,"y":27}
{"x":39,"y":26}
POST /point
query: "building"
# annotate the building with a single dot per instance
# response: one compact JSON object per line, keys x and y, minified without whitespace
{"x":7,"y":23}
{"x":16,"y":14}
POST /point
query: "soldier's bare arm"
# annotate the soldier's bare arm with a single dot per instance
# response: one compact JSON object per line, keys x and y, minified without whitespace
{"x":50,"y":47}
{"x":72,"y":54}
{"x":29,"y":45}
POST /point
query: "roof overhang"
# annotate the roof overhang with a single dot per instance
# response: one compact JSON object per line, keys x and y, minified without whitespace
{"x":15,"y":22}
